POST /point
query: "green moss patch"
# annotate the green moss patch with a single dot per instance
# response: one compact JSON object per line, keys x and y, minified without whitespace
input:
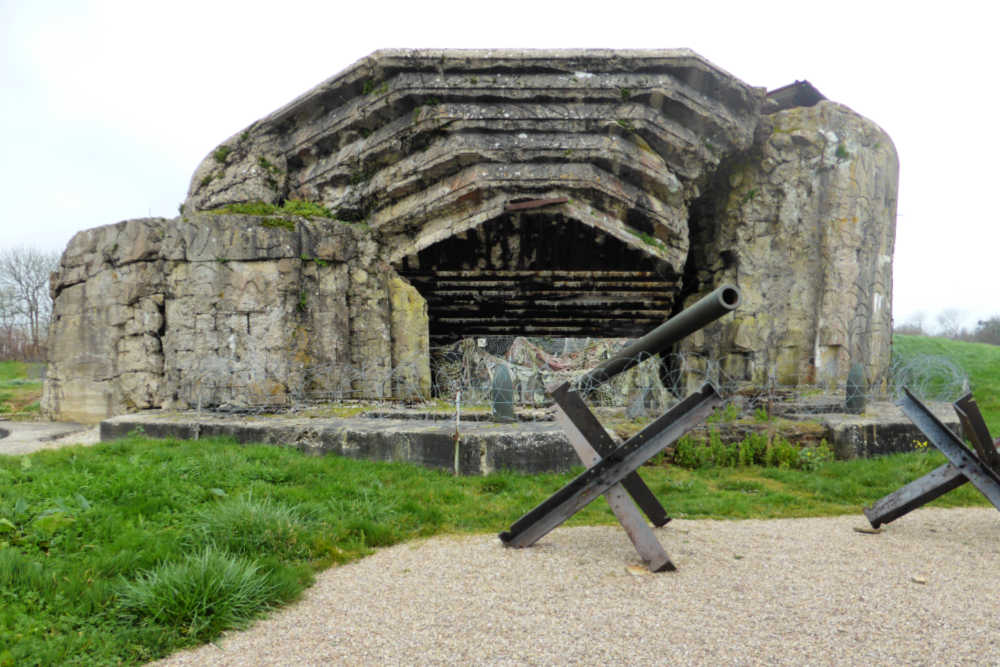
{"x":275,"y":215}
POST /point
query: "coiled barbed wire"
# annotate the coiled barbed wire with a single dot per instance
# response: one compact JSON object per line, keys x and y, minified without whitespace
{"x":930,"y":377}
{"x":654,"y":384}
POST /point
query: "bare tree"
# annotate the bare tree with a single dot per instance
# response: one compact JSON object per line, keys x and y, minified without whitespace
{"x":950,"y":323}
{"x":915,"y":325}
{"x":24,"y":273}
{"x":8,"y":323}
{"x":988,"y":331}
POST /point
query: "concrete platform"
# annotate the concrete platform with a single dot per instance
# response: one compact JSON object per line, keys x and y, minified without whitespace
{"x":881,"y":429}
{"x":483,"y":446}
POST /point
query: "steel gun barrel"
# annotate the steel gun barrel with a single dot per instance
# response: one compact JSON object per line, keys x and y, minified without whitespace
{"x":708,"y":309}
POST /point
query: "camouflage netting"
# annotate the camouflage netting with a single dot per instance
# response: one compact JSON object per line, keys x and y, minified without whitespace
{"x":468,"y":366}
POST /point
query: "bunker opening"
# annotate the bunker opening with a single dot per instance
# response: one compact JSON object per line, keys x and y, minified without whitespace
{"x":541,"y":276}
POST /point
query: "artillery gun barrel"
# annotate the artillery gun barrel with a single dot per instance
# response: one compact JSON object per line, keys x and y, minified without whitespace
{"x":707,"y":309}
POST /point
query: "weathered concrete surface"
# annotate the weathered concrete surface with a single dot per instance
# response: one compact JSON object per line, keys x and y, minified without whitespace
{"x":486,"y":446}
{"x":805,"y":225}
{"x":105,"y":352}
{"x":220,"y":309}
{"x":882,"y":429}
{"x":427,"y":146}
{"x":410,"y":345}
{"x":17,"y":438}
{"x":483,"y":447}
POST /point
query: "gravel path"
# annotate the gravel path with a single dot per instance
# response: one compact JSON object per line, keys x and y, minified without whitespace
{"x":18,"y":438}
{"x":924,"y":591}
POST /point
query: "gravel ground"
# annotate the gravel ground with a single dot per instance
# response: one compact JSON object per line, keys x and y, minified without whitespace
{"x":18,"y":438}
{"x":924,"y":591}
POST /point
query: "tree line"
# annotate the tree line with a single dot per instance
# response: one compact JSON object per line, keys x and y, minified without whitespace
{"x":25,"y":302}
{"x":949,"y":324}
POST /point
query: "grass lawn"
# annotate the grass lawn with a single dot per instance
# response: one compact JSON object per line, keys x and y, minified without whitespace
{"x":20,"y":389}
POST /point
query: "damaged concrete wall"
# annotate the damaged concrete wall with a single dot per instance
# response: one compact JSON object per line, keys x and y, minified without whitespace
{"x":545,"y":193}
{"x":804,"y":223}
{"x":436,"y":149}
{"x":105,"y":337}
{"x":226,"y":310}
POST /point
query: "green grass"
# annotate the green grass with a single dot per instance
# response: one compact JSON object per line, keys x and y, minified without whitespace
{"x":203,"y":594}
{"x":127,"y":551}
{"x":19,"y":393}
{"x":88,"y":536}
{"x":980,"y":361}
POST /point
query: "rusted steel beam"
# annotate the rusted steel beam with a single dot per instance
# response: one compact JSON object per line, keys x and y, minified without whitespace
{"x":540,"y":314}
{"x":977,"y":431}
{"x":945,"y":478}
{"x":549,"y":318}
{"x":494,"y":305}
{"x":528,"y":299}
{"x":612,"y":328}
{"x":612,"y":469}
{"x":449,"y":286}
{"x":645,"y":542}
{"x":962,"y":458}
{"x":445,"y":336}
{"x":919,"y":492}
{"x":534,"y":203}
{"x":529,"y":273}
{"x":584,"y":421}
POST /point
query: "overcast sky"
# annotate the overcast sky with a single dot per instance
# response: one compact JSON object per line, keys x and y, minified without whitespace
{"x":108,"y":106}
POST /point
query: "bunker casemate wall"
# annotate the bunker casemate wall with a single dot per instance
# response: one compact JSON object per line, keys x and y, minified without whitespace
{"x":558,"y":193}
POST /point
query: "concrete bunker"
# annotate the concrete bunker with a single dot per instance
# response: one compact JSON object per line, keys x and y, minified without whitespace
{"x":473,"y":192}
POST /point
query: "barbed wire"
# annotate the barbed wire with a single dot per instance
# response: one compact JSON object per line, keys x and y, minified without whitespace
{"x":930,"y":377}
{"x":469,"y":368}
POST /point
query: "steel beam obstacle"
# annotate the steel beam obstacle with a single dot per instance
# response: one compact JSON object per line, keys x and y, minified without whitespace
{"x":981,"y":466}
{"x":612,"y":470}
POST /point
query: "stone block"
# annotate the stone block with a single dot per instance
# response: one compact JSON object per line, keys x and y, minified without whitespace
{"x":410,"y":341}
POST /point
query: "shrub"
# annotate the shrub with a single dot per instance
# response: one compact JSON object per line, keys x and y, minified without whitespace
{"x":813,"y":458}
{"x":721,"y":454}
{"x":755,"y":449}
{"x":299,"y":207}
{"x":249,"y":208}
{"x":781,"y":454}
{"x":687,"y":453}
{"x":752,"y":449}
{"x":306,"y":209}
{"x":221,"y":153}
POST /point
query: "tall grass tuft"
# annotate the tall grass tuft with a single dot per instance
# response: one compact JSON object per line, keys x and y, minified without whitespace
{"x":248,"y":526}
{"x":18,"y":570}
{"x":206,"y":593}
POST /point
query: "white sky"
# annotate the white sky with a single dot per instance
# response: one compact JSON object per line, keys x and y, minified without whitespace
{"x":107,"y":106}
